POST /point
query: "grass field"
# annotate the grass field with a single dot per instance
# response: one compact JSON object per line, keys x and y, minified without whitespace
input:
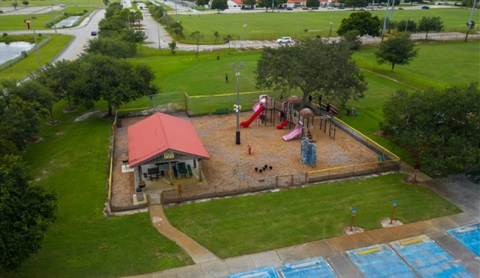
{"x":295,"y":24}
{"x":72,"y":160}
{"x":84,"y":243}
{"x":244,"y":225}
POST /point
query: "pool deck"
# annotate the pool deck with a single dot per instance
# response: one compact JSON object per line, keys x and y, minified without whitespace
{"x":465,"y":195}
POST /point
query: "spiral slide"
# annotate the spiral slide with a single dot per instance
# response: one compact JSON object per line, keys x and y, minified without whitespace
{"x":258,"y":108}
{"x":294,"y":133}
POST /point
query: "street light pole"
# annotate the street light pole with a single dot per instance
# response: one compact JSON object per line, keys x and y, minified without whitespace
{"x":36,"y":45}
{"x":54,"y":23}
{"x":237,"y":107}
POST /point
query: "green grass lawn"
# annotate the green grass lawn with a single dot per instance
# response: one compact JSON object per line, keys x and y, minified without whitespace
{"x":72,"y":160}
{"x":243,"y":225}
{"x":30,"y":63}
{"x":268,"y":26}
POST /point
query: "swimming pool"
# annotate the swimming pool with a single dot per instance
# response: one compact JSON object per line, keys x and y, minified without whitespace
{"x":317,"y":268}
{"x":268,"y":272}
{"x":380,"y":261}
{"x":468,"y":236}
{"x":428,"y":259}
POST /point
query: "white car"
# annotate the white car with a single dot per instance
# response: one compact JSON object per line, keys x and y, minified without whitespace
{"x":285,"y":40}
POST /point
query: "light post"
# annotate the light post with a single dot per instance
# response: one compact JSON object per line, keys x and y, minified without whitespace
{"x":354,"y":212}
{"x":237,"y":107}
{"x":54,"y":23}
{"x":35,"y":38}
{"x":272,"y":6}
{"x":393,"y":211}
{"x":331,"y":23}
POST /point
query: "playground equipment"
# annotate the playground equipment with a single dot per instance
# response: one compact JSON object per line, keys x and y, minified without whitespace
{"x":308,"y":152}
{"x":282,"y":125}
{"x":257,"y":108}
{"x":294,"y":133}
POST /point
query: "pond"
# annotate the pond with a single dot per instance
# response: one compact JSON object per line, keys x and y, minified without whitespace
{"x":13,"y":50}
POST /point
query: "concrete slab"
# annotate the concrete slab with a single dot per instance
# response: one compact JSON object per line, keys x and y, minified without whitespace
{"x":190,"y":271}
{"x":265,"y":259}
{"x":217,"y":269}
{"x":342,"y":266}
{"x":319,"y":248}
{"x":171,"y":273}
{"x":293,"y":254}
{"x":240,"y":264}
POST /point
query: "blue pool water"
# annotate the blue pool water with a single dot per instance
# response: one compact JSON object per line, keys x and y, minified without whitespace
{"x":379,"y":261}
{"x":268,"y":272}
{"x":468,"y":236}
{"x":426,"y":257}
{"x":317,"y":268}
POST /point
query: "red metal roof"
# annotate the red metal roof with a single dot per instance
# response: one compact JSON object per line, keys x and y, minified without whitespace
{"x":160,"y":133}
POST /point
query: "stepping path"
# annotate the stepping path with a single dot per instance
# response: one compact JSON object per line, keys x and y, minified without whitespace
{"x":198,"y":253}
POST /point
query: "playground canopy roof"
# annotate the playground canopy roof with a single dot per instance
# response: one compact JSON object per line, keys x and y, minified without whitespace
{"x":160,"y":133}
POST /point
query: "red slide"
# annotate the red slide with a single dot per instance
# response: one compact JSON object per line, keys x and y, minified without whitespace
{"x":249,"y":121}
{"x":282,"y":125}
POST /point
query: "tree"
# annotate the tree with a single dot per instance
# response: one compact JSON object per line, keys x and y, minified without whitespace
{"x":172,"y":45}
{"x":440,"y":127}
{"x":355,"y":3}
{"x":32,"y":91}
{"x":219,"y":5}
{"x":138,"y":17}
{"x":25,"y":3}
{"x":249,"y":3}
{"x":428,"y":24}
{"x":106,"y":2}
{"x":216,"y":35}
{"x":113,"y":80}
{"x":314,"y":67}
{"x":201,"y":2}
{"x":59,"y":77}
{"x":399,"y":50}
{"x":113,"y":47}
{"x":20,"y":120}
{"x":352,"y":39}
{"x":197,"y":36}
{"x":313,"y":3}
{"x":406,"y":26}
{"x":15,"y":5}
{"x":363,"y":22}
{"x":26,"y":211}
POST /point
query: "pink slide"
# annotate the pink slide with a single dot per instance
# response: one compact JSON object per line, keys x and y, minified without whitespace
{"x":258,"y":108}
{"x":294,"y":133}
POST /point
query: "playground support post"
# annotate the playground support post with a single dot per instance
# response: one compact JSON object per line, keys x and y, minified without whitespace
{"x":237,"y":106}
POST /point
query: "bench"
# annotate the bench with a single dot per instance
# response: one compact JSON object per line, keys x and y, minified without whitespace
{"x":221,"y":111}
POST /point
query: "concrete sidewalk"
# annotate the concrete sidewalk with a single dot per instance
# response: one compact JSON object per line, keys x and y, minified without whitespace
{"x":464,"y":194}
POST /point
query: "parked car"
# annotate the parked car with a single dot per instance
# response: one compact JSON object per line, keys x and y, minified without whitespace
{"x":425,"y":7}
{"x":289,"y":9}
{"x":93,"y":33}
{"x":401,"y":9}
{"x":284,"y":40}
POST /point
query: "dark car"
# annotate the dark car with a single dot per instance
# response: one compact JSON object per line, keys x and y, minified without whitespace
{"x":93,"y":33}
{"x":425,"y":7}
{"x":289,"y":9}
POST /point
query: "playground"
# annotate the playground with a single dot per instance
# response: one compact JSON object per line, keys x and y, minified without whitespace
{"x":264,"y":154}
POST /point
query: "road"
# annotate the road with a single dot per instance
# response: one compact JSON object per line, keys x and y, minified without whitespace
{"x":159,"y":38}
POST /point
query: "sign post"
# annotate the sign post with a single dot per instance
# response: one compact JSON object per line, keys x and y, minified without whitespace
{"x":393,"y":211}
{"x":354,"y":212}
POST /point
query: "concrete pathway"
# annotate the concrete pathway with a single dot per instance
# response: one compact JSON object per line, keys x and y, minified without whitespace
{"x":464,"y":194}
{"x":198,"y":253}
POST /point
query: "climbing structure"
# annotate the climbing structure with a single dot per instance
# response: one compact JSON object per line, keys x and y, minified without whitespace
{"x":309,"y":152}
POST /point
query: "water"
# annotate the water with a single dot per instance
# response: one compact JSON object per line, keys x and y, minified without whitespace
{"x":13,"y":50}
{"x":429,"y":259}
{"x":468,"y":236}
